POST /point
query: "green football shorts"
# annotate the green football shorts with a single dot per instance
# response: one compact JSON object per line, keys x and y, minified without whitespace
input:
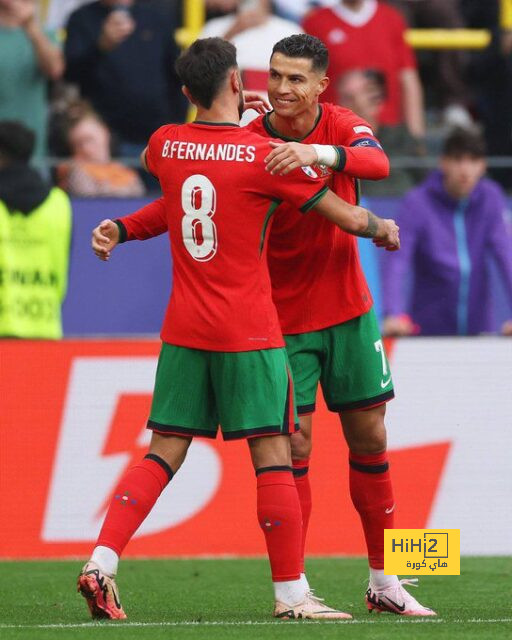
{"x":248,"y":393}
{"x":347,"y":359}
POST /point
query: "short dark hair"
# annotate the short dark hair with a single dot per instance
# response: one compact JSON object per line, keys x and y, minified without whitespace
{"x":464,"y":142}
{"x":203,"y":68}
{"x":16,"y":141}
{"x":302,"y":45}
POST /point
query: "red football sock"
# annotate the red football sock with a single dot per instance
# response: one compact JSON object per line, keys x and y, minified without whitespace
{"x":280,"y":518}
{"x":372,"y":496}
{"x":133,"y":499}
{"x":301,"y":477}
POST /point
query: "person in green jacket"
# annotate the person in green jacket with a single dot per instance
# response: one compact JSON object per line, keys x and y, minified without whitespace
{"x":35,"y":234}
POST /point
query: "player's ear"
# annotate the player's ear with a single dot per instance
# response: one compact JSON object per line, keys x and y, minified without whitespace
{"x":323,"y":84}
{"x":235,"y":81}
{"x":187,"y":94}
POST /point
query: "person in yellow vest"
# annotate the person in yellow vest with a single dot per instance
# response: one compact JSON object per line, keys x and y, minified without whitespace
{"x":35,"y":235}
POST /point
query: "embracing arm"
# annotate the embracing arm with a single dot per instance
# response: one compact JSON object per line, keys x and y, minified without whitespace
{"x":148,"y":222}
{"x":367,"y":162}
{"x":358,"y":221}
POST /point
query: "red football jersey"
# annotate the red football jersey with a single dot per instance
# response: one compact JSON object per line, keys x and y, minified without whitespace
{"x":378,"y":44}
{"x":219,"y":202}
{"x":316,"y":275}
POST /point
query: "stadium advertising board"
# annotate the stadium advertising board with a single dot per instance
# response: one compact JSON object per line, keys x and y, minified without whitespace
{"x":73,"y":417}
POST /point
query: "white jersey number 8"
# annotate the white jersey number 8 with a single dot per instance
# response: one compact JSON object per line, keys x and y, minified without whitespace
{"x":198,"y":199}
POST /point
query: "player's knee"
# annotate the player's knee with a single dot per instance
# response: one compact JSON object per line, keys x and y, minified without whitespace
{"x":365,"y":431}
{"x":369,"y":446}
{"x":172,"y":449}
{"x":301,"y":445}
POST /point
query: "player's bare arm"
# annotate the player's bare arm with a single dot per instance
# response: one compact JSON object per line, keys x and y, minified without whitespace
{"x":105,"y":237}
{"x":359,"y":221}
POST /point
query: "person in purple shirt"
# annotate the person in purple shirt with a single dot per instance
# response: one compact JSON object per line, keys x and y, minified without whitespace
{"x":452,"y":227}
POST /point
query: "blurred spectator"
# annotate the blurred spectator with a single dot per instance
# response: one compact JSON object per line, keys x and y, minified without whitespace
{"x":366,"y":34}
{"x":254,"y":31}
{"x":58,"y":12}
{"x":121,"y":53}
{"x":219,"y":8}
{"x":491,"y":76}
{"x":91,"y":171}
{"x":28,"y":59}
{"x":35,"y":233}
{"x":452,"y":228}
{"x":364,"y":92}
{"x":442,"y":72}
{"x":296,"y":9}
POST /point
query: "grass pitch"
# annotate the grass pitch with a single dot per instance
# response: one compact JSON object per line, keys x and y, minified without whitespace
{"x":217,"y":599}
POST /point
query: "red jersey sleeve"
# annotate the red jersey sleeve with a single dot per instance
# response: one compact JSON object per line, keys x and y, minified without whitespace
{"x":148,"y":222}
{"x":360,"y":154}
{"x":303,"y":188}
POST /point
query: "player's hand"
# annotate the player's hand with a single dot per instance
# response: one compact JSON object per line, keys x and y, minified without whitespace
{"x":389,"y":236}
{"x":506,"y":328}
{"x":104,"y":238}
{"x":395,"y":326}
{"x":118,"y":26}
{"x":287,"y":156}
{"x":256,"y":101}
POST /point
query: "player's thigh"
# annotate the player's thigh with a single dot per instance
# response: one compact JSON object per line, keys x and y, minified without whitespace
{"x":254,"y":393}
{"x":304,"y":353}
{"x":356,"y":371}
{"x":183,"y":400}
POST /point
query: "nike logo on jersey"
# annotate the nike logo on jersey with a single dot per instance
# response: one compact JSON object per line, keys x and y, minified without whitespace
{"x":390,"y":510}
{"x":384,"y":384}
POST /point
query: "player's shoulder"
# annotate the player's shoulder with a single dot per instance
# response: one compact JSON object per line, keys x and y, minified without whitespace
{"x":166,"y":129}
{"x":336,"y":112}
{"x":346,"y":119}
{"x":258,"y":134}
{"x":257,"y":125}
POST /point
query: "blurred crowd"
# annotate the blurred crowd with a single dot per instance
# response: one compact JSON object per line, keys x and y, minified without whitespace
{"x":93,"y":79}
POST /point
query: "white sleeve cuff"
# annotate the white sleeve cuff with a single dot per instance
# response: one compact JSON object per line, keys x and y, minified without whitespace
{"x":327,"y":154}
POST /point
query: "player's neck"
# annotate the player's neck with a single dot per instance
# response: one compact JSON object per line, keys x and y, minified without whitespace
{"x":297,"y":127}
{"x":217,"y":113}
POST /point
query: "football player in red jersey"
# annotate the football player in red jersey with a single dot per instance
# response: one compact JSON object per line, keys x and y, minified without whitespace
{"x":323,"y":301}
{"x":223,"y":359}
{"x":322,"y":298}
